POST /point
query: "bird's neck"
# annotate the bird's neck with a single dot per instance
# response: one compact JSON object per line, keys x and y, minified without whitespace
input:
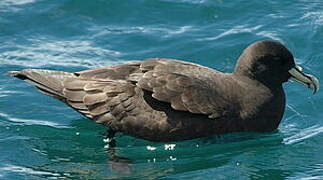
{"x":260,"y":103}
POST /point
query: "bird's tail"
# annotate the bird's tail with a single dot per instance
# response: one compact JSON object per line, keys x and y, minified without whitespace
{"x":47,"y":81}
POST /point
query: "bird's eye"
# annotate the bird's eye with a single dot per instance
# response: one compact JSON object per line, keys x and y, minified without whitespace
{"x":279,"y":60}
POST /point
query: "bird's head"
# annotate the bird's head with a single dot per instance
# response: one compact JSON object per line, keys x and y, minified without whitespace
{"x":271,"y":63}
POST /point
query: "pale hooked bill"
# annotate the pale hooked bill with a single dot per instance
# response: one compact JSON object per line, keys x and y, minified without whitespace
{"x":298,"y":76}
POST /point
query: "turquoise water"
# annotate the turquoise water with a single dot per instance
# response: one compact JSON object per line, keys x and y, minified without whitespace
{"x":41,"y":138}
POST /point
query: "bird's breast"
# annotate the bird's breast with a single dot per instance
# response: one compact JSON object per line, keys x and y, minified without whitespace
{"x":263,"y":111}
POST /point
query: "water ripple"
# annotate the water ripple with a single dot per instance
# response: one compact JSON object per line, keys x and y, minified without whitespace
{"x":312,"y":178}
{"x":11,"y":5}
{"x":31,"y":121}
{"x":187,"y":1}
{"x":164,"y":31}
{"x":315,"y":17}
{"x":234,"y":30}
{"x":269,"y":34}
{"x":59,"y":53}
{"x":25,"y":170}
{"x":304,"y":134}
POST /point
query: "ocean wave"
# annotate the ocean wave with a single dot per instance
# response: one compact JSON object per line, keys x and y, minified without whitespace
{"x":296,"y":113}
{"x":313,"y":177}
{"x":303,"y":135}
{"x":11,"y":5}
{"x":101,"y":31}
{"x":31,"y":121}
{"x":5,"y":93}
{"x":187,"y":1}
{"x":15,"y":2}
{"x":26,"y":170}
{"x":316,"y":18}
{"x":269,"y":34}
{"x":61,"y":53}
{"x":235,"y":30}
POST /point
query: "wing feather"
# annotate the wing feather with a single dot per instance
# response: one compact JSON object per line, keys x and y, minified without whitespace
{"x":125,"y":97}
{"x":187,"y":86}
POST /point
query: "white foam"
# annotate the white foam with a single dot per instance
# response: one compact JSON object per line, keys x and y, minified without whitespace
{"x":151,"y":148}
{"x":169,"y":146}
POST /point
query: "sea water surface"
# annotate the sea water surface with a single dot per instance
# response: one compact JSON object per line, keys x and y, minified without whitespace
{"x":41,"y":138}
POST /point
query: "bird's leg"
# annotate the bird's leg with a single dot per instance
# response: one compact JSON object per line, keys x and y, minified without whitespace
{"x":111,"y":144}
{"x":110,"y":138}
{"x":117,"y":163}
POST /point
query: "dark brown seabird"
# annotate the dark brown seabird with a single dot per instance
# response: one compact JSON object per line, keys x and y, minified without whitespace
{"x":170,"y":100}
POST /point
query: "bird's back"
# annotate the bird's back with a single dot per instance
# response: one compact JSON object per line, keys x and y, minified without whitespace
{"x":156,"y":99}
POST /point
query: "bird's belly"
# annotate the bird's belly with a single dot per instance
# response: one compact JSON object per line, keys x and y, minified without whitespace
{"x":187,"y":127}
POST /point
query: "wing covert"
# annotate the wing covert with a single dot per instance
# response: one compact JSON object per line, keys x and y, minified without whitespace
{"x":187,"y":86}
